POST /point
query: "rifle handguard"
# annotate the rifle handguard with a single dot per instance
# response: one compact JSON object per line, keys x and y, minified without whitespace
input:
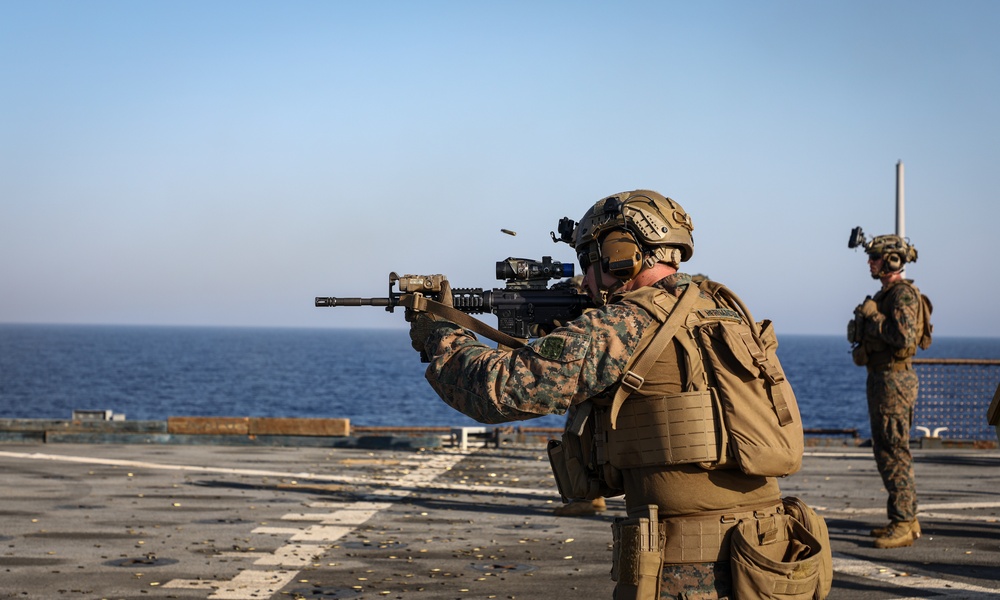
{"x":419,"y":303}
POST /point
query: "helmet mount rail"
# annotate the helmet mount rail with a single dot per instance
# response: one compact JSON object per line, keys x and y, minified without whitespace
{"x":895,"y":250}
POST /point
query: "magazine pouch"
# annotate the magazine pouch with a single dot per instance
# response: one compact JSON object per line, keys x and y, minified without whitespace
{"x":758,"y":405}
{"x":637,"y":560}
{"x":775,"y":558}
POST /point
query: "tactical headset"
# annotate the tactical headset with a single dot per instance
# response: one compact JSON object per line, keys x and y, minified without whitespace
{"x":894,"y":251}
{"x":893,"y":261}
{"x":621,"y":256}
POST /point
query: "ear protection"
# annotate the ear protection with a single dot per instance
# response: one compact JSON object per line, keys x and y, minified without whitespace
{"x":893,"y":261}
{"x":621,"y":256}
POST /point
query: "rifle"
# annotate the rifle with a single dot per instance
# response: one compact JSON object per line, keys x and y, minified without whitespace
{"x":525,"y":307}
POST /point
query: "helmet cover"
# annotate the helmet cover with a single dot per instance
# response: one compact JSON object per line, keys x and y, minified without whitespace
{"x":657,"y":223}
{"x":893,"y":250}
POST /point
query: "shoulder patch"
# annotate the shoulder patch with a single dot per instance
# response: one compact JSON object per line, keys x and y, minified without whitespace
{"x":720,"y":314}
{"x":552,"y":347}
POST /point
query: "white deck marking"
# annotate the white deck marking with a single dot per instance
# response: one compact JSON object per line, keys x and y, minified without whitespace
{"x":922,"y":508}
{"x":322,"y":533}
{"x":412,"y":480}
{"x":883,"y":574}
{"x":194,"y":468}
{"x":938,"y":516}
{"x":353,"y":514}
{"x":294,"y":556}
{"x":325,"y":504}
{"x":190,"y":584}
{"x":305,"y":545}
{"x":928,"y":511}
{"x":253,"y":584}
{"x":275,"y":530}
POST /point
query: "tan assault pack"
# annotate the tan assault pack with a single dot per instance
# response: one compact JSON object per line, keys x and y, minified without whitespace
{"x":739,"y":410}
{"x":737,"y":391}
{"x":926,"y":308}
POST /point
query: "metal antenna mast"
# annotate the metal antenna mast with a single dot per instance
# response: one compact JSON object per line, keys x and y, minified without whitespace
{"x":900,"y":207}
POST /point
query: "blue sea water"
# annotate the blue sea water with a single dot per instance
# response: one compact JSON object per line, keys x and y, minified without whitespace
{"x":371,"y":377}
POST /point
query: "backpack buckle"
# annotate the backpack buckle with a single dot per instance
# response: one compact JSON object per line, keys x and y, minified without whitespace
{"x":632,"y":381}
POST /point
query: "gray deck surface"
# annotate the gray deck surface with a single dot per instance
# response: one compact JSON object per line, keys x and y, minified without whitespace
{"x":176,"y":521}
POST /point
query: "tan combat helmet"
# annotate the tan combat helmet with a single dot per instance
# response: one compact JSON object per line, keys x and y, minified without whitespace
{"x":894,"y":252}
{"x":628,"y":231}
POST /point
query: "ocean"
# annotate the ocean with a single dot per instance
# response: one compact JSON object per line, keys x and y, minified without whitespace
{"x":371,"y":377}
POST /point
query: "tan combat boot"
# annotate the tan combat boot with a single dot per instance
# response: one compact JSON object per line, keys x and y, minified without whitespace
{"x":899,"y":535}
{"x":881,"y":531}
{"x":581,"y":508}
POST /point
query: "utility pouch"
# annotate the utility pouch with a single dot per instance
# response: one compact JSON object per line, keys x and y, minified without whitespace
{"x":578,"y":474}
{"x":758,"y":406}
{"x":568,"y":484}
{"x":638,"y":561}
{"x":855,"y":330}
{"x":816,"y":525}
{"x":775,"y":558}
{"x":859,"y":355}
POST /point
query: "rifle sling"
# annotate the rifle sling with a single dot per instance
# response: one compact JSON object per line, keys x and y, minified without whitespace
{"x":421,"y":303}
{"x":634,"y":377}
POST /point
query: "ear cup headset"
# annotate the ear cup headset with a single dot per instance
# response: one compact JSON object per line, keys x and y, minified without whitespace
{"x":614,"y":249}
{"x":893,"y":261}
{"x":621,"y":256}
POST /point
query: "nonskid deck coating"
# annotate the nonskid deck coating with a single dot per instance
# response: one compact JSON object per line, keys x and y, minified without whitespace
{"x":154,"y":521}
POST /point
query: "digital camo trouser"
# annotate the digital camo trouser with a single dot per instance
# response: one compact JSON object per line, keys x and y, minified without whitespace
{"x":892,"y":394}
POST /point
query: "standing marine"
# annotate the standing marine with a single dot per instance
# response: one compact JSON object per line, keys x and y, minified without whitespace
{"x":886,"y":331}
{"x":678,"y":402}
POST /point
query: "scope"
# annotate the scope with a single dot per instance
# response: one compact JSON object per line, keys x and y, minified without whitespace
{"x":526,"y":269}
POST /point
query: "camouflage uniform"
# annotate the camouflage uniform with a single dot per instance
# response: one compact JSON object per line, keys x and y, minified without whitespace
{"x":890,"y":337}
{"x":582,"y":360}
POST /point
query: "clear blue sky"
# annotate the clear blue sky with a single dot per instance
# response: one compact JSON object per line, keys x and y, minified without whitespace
{"x":222,"y":163}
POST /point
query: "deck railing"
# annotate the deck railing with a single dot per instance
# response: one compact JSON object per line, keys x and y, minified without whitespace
{"x":955,"y":394}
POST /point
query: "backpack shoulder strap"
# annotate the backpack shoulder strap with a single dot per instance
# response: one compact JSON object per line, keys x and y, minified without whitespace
{"x":634,"y":377}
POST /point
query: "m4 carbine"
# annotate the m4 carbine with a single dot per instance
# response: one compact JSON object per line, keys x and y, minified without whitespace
{"x":526,"y":307}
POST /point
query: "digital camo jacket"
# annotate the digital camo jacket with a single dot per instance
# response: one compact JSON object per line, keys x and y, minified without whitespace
{"x":897,"y":325}
{"x":573,"y":363}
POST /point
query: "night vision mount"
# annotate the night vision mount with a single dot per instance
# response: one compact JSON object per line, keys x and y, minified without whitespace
{"x":896,"y":250}
{"x":857,"y":238}
{"x":566,"y":228}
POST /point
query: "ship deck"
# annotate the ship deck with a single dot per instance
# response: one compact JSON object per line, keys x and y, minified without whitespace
{"x":179,"y":521}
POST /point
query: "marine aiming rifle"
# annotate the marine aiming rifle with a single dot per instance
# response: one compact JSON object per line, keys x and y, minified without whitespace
{"x":525,"y":307}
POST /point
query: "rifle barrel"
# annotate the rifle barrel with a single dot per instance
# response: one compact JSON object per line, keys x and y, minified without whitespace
{"x":334,"y":301}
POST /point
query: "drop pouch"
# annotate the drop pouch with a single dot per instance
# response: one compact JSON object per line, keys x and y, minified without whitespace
{"x":775,"y":558}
